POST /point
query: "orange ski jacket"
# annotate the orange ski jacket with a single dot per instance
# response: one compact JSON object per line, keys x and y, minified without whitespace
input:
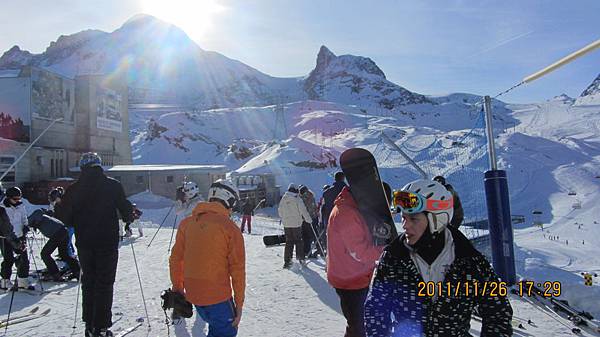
{"x":208,"y":261}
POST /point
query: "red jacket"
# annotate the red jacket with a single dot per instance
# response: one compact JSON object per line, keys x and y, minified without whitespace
{"x":351,"y":255}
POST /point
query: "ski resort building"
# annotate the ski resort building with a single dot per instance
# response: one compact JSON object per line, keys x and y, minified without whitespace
{"x":91,"y":115}
{"x":164,"y":179}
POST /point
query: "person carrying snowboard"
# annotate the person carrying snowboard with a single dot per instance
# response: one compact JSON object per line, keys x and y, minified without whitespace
{"x":247,"y":213}
{"x":208,"y":261}
{"x":14,"y":248}
{"x":431,"y":252}
{"x":91,"y":205}
{"x":351,"y":257}
{"x":459,"y":214}
{"x":57,"y":234}
{"x":292,"y":213}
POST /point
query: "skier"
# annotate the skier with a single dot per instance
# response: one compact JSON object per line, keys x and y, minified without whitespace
{"x":91,"y":205}
{"x":292,"y":213}
{"x":432,"y":251}
{"x":208,"y":263}
{"x":459,"y":214}
{"x":308,"y":236}
{"x":247,"y":213}
{"x":54,"y":199}
{"x":351,"y":258}
{"x":136,"y":215}
{"x":14,"y":209}
{"x":8,"y":238}
{"x":57,"y":234}
{"x":188,"y":199}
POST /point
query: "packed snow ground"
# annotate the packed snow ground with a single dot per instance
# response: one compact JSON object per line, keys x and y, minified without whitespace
{"x":297,"y":302}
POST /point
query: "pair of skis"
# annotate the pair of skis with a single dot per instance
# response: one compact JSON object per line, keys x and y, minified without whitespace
{"x":26,"y":317}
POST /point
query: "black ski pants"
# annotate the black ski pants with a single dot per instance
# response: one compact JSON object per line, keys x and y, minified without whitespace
{"x":293,"y":237}
{"x":353,"y":308}
{"x":9,"y":259}
{"x":99,"y":267}
{"x":307,"y":238}
{"x":59,"y":240}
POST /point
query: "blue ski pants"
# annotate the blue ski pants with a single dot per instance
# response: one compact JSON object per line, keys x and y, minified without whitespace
{"x":219,"y":317}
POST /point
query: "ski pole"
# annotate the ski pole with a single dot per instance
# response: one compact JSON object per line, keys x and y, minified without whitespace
{"x":77,"y":299}
{"x":317,"y":239}
{"x":172,"y":232}
{"x":140,"y":281}
{"x":37,"y":271}
{"x":12,"y":296}
{"x":159,"y":227}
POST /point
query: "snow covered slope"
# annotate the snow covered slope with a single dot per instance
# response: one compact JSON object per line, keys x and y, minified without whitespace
{"x":591,"y":95}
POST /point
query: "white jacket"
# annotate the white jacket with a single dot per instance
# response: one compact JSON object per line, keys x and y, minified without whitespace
{"x":17,"y":216}
{"x":292,"y":210}
{"x":185,"y":209}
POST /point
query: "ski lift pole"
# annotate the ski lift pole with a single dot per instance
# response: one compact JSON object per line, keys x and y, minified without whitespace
{"x":28,"y":148}
{"x":498,"y":208}
{"x":393,"y":145}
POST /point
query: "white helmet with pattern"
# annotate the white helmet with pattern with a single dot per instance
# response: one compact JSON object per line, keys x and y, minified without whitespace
{"x":190,"y":189}
{"x":225,"y":191}
{"x":439,"y":212}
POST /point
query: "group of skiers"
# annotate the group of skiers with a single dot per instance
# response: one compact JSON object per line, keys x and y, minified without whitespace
{"x":378,"y":286}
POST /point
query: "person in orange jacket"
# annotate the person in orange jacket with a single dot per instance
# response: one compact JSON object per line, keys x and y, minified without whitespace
{"x":351,"y":257}
{"x":208,"y":261}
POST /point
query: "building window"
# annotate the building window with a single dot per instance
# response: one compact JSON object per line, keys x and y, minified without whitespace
{"x":169,"y":179}
{"x":52,"y":168}
{"x":139,"y":179}
{"x":5,"y":163}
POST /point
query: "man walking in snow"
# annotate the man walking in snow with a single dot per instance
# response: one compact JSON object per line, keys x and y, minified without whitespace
{"x":292,"y":213}
{"x":208,"y":262}
{"x":90,"y":205}
{"x":351,"y":257}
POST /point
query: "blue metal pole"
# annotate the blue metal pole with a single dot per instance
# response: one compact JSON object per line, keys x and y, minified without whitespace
{"x":498,"y":207}
{"x":501,"y":231}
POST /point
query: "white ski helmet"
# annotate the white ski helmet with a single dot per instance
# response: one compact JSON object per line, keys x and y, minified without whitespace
{"x":225,"y":191}
{"x":439,"y":217}
{"x":190,"y":189}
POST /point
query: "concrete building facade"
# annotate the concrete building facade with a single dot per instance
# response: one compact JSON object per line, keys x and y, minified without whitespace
{"x":93,"y":117}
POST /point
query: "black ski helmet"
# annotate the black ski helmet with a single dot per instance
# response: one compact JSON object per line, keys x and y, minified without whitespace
{"x":55,"y":193}
{"x":440,"y":179}
{"x":13,"y":192}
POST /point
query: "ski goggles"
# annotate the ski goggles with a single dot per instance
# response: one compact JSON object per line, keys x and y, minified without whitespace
{"x":411,"y":203}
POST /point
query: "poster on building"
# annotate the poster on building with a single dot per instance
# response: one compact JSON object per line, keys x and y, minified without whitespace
{"x":15,"y":118}
{"x":52,"y":96}
{"x":108,"y":113}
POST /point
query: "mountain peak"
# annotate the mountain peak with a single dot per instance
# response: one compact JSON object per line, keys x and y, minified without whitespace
{"x":593,"y":89}
{"x":324,"y":57}
{"x":142,"y":19}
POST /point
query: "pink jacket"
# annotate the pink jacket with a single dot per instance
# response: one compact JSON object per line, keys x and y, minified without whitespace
{"x":351,"y":255}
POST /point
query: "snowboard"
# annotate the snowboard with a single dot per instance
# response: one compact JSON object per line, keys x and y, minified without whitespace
{"x":366,"y":187}
{"x":273,"y":240}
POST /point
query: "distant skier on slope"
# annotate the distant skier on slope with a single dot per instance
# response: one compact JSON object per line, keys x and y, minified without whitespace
{"x":431,"y":251}
{"x":208,"y":261}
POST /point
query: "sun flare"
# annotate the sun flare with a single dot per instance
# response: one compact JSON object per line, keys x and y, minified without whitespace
{"x":193,"y":16}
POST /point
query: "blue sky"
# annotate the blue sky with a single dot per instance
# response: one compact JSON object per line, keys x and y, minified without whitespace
{"x":431,"y":47}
